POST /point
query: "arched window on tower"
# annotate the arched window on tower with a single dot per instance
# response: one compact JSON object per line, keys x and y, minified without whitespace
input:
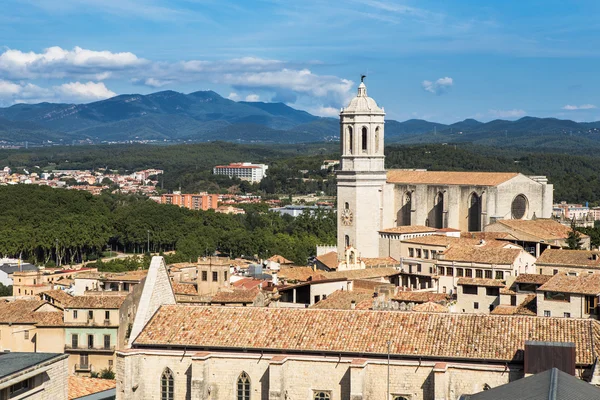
{"x":243,"y":387}
{"x":475,"y":213}
{"x":347,"y":240}
{"x":365,"y":139}
{"x":377,"y":139}
{"x":167,"y":385}
{"x":346,"y":206}
{"x":350,"y":140}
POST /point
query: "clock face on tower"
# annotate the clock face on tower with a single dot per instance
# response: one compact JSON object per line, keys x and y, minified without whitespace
{"x":347,"y":217}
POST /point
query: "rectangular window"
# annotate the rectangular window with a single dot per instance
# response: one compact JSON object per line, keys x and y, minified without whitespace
{"x":107,"y":342}
{"x":215,"y":276}
{"x":546,"y":313}
{"x":74,"y":314}
{"x":110,"y":363}
{"x":411,"y":252}
{"x":476,"y":306}
{"x":19,"y":387}
{"x":449,"y":271}
{"x":469,"y":273}
{"x":317,"y":298}
{"x":26,"y":335}
{"x":83,"y":361}
{"x":527,"y":287}
{"x":107,"y":315}
{"x":499,"y":275}
{"x":419,"y":268}
{"x":434,"y":254}
{"x":442,"y":270}
{"x":204,"y":276}
{"x":591,"y":305}
{"x":513,"y":301}
{"x":478,"y":273}
{"x":488,"y":274}
{"x":469,"y":289}
{"x":90,"y":341}
{"x":74,"y":340}
{"x":567,"y":315}
{"x":459,"y":272}
{"x":90,"y":315}
{"x":557,"y":296}
{"x":554,"y":272}
{"x":492,"y":291}
{"x":425,"y":253}
{"x":418,"y":253}
{"x":225,"y":275}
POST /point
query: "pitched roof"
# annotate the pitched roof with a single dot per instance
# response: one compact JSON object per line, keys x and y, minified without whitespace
{"x":95,"y":302}
{"x":481,"y":282}
{"x":533,"y":278}
{"x":494,"y":338}
{"x":449,"y":177}
{"x":184,"y":288}
{"x":379,"y":261}
{"x":582,"y":284}
{"x":430,"y":307}
{"x":247,"y":283}
{"x":551,"y":384}
{"x":59,"y":295}
{"x":330,"y":260}
{"x":80,"y":386}
{"x":420,"y":297}
{"x":367,"y":273}
{"x":546,"y":229}
{"x":409,"y":229}
{"x":302,"y":274}
{"x":571,"y":258}
{"x":342,"y":300}
{"x":527,"y":307}
{"x":25,"y":312}
{"x":235,"y":296}
{"x":279,"y":259}
{"x":482,"y":255}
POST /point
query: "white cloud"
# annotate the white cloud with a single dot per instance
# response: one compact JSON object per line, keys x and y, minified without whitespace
{"x":89,"y":91}
{"x":325,"y":111}
{"x":155,"y":83}
{"x":515,"y":113}
{"x":438,"y":87}
{"x":581,"y":107}
{"x":252,"y":97}
{"x":11,"y":92}
{"x":55,"y":62}
{"x":233,"y":96}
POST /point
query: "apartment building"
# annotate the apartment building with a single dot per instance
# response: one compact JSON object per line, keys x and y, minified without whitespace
{"x":245,"y":171}
{"x":569,"y":296}
{"x":194,"y":201}
{"x":570,"y":262}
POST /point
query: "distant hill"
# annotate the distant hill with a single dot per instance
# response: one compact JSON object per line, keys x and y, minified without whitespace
{"x":207,"y":116}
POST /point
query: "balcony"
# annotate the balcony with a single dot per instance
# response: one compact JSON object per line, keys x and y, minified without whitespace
{"x":89,"y":349}
{"x":83,"y":367}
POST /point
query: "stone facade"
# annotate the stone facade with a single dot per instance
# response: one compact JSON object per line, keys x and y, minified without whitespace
{"x":47,"y":381}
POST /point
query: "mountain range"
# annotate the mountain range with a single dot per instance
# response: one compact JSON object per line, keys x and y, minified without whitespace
{"x":207,"y":116}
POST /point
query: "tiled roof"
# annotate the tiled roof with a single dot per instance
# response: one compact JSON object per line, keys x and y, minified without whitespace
{"x":365,"y":285}
{"x":504,"y":309}
{"x":485,"y":235}
{"x":436,"y":335}
{"x":420,"y":297}
{"x":379,"y":261}
{"x":507,"y":291}
{"x":482,"y":255}
{"x":59,"y":295}
{"x":184,"y":288}
{"x":179,"y":266}
{"x":280,"y":259}
{"x":247,"y":283}
{"x":80,"y":386}
{"x":342,"y":300}
{"x":527,"y":307}
{"x":409,"y":229}
{"x":330,"y":260}
{"x":24,"y":311}
{"x":133,"y":276}
{"x":481,"y":282}
{"x":235,"y":296}
{"x":547,"y":229}
{"x":430,"y":307}
{"x":367,"y":273}
{"x":95,"y":302}
{"x":533,"y":278}
{"x":302,"y":274}
{"x":436,"y":240}
{"x":582,"y":284}
{"x":574,"y":258}
{"x":449,"y":177}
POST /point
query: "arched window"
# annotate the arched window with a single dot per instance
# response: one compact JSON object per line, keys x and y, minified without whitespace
{"x":438,"y":211}
{"x":475,"y":213}
{"x":322,"y":396}
{"x":400,"y":398}
{"x":347,"y":240}
{"x":364,"y":139}
{"x":404,"y":214}
{"x":167,"y":386}
{"x":377,"y":139}
{"x":346,"y":206}
{"x":350,"y":140}
{"x":243,"y":387}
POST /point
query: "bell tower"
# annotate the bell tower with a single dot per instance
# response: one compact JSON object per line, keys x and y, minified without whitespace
{"x":362,"y":177}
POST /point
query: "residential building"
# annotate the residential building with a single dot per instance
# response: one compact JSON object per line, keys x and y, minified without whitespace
{"x":245,"y":171}
{"x":122,"y":282}
{"x":570,"y":262}
{"x":7,"y":270}
{"x":569,"y":296}
{"x":33,"y":376}
{"x":296,"y":210}
{"x":198,"y":201}
{"x":33,"y":282}
{"x":228,"y":209}
{"x":213,"y":274}
{"x":478,"y":295}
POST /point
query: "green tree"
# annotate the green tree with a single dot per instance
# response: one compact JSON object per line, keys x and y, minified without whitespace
{"x":574,"y":239}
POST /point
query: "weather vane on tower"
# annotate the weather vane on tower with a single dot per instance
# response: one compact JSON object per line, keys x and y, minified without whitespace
{"x":362,"y":78}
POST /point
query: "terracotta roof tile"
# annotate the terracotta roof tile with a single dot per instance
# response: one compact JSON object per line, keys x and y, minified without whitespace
{"x":184,"y":288}
{"x":235,"y":296}
{"x":547,"y":229}
{"x":279,"y":259}
{"x":494,"y":338}
{"x":365,"y":285}
{"x":379,"y":261}
{"x":60,"y":296}
{"x":570,"y":258}
{"x":449,"y":177}
{"x":409,"y":229}
{"x":342,"y":300}
{"x":24,"y":311}
{"x":367,"y":273}
{"x":582,"y":284}
{"x":301,"y":274}
{"x":481,"y":282}
{"x":483,"y":255}
{"x":533,"y":278}
{"x":420,"y":297}
{"x":96,"y":302}
{"x":430,"y":307}
{"x":330,"y":260}
{"x":247,"y":283}
{"x":527,"y":307}
{"x":80,"y":386}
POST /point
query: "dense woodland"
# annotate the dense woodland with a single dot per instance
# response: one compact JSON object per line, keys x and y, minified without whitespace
{"x":41,"y":224}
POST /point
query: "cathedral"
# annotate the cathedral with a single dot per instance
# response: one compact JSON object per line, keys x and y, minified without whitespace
{"x":372,"y":199}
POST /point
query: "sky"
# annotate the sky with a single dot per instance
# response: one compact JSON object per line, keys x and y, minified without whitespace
{"x":442,"y":61}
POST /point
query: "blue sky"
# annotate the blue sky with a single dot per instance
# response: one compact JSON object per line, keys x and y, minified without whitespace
{"x":438,"y":60}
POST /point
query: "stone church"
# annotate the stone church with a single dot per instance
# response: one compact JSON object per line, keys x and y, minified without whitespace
{"x":371,"y":199}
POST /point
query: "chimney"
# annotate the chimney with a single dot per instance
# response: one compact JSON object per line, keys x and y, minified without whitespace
{"x":353,"y":304}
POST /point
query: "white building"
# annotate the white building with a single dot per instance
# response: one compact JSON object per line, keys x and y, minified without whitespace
{"x":245,"y":171}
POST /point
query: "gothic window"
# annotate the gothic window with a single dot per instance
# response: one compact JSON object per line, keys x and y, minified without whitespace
{"x":518,"y":207}
{"x":403,"y":217}
{"x":350,"y":140}
{"x":346,"y":206}
{"x":322,"y":396}
{"x":364,"y":139}
{"x":437,"y":213}
{"x":475,"y":213}
{"x":167,"y":386}
{"x":347,"y":240}
{"x":243,"y":387}
{"x":377,"y":139}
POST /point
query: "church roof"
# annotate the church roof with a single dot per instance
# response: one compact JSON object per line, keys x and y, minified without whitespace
{"x":362,"y":103}
{"x":415,"y":334}
{"x":547,"y":229}
{"x":449,"y":177}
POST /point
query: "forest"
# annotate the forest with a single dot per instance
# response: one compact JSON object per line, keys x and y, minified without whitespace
{"x":46,"y":226}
